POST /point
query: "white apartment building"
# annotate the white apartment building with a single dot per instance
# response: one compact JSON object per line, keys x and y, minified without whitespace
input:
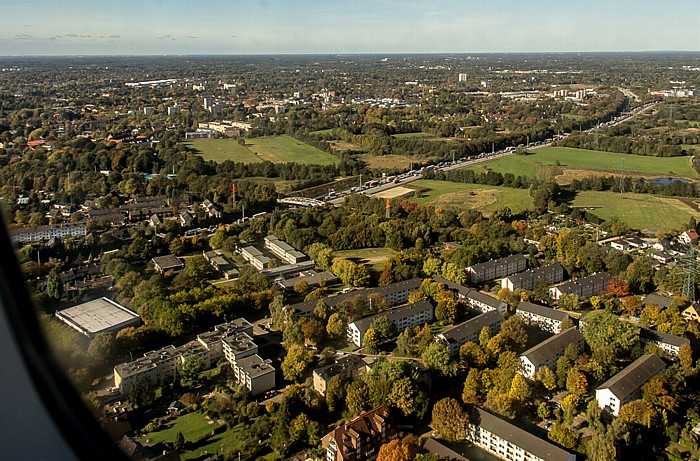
{"x":584,"y":287}
{"x":254,"y":373}
{"x":626,"y":386}
{"x":409,"y":316}
{"x":552,"y":273}
{"x":545,"y":318}
{"x":509,"y":442}
{"x":483,"y":303}
{"x":670,"y":344}
{"x":469,"y":331}
{"x":41,"y":233}
{"x":546,"y":353}
{"x":497,"y":268}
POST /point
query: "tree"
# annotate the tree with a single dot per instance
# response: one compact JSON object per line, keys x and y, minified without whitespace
{"x":640,"y":275}
{"x":54,"y":285}
{"x":685,"y":356}
{"x":295,"y":362}
{"x":437,"y":357}
{"x":371,"y":341}
{"x":357,"y":397}
{"x":179,"y":442}
{"x":569,"y":302}
{"x":313,"y":330}
{"x":336,"y":390}
{"x":102,"y":347}
{"x":605,"y":333}
{"x":189,"y":372}
{"x":637,"y":412}
{"x":385,"y":328}
{"x":576,"y":384}
{"x":472,"y":388}
{"x":403,"y":395}
{"x":449,"y":420}
{"x":336,"y":325}
{"x":404,"y":449}
{"x":543,"y":411}
{"x":301,"y":287}
{"x":547,"y":377}
{"x":514,"y":332}
{"x":619,"y":287}
{"x":520,"y":389}
{"x":564,"y":436}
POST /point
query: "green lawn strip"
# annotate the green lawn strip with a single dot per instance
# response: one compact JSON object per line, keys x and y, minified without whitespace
{"x":365,"y":253}
{"x":192,"y":425}
{"x":459,"y":195}
{"x":639,"y":211}
{"x":418,"y":134}
{"x":531,"y":165}
{"x":220,"y":150}
{"x":282,"y":149}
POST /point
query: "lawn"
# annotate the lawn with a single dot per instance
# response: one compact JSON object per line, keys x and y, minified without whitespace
{"x":276,"y":149}
{"x":543,"y":161}
{"x":192,"y":425}
{"x":486,"y":199}
{"x":374,"y":257}
{"x":639,"y":211}
{"x":323,"y":132}
{"x":418,"y":134}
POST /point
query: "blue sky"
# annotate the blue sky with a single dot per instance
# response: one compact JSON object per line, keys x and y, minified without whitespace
{"x":155,"y":27}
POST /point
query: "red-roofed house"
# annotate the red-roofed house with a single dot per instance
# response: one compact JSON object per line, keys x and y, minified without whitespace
{"x":688,"y":237}
{"x":360,"y":438}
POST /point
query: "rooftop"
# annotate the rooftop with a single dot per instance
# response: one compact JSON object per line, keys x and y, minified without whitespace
{"x":662,"y":301}
{"x":168,"y":262}
{"x":472,"y":326}
{"x":98,"y":315}
{"x":548,"y":348}
{"x":394,"y":314}
{"x":653,"y":335}
{"x":255,"y":366}
{"x":634,"y":375}
{"x":498,"y":262}
{"x":542,"y":311}
{"x":534,"y":273}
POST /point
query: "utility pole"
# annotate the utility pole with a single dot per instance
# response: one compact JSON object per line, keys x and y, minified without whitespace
{"x":388,"y":208}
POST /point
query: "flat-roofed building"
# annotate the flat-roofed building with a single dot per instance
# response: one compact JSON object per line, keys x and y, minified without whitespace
{"x":626,"y":386}
{"x":404,"y":317}
{"x":254,"y":373}
{"x":546,"y":353}
{"x":254,"y":257}
{"x":670,"y":344}
{"x":509,"y":442}
{"x":584,"y":287}
{"x":283,"y":250}
{"x":289,"y":269}
{"x":469,"y":331}
{"x":545,"y":318}
{"x":312,"y":278}
{"x":497,"y":268}
{"x":552,"y":273}
{"x":98,"y":316}
{"x":168,"y":263}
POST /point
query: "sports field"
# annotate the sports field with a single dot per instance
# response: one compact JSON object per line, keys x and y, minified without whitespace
{"x":639,"y":211}
{"x":484,"y":198}
{"x":555,"y":160}
{"x":276,"y":149}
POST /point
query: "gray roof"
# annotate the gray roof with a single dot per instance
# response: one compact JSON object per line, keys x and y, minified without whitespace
{"x":485,"y":299}
{"x":168,"y":262}
{"x":568,"y":287}
{"x":497,"y":262}
{"x":634,"y":375}
{"x":652,"y":335}
{"x":255,"y":366}
{"x":466,"y":329}
{"x":550,"y":347}
{"x":438,"y":447}
{"x":347,"y":364}
{"x":535,"y":273}
{"x":394,"y":314}
{"x":662,"y":301}
{"x":541,"y":448}
{"x":464,"y":291}
{"x":98,"y":315}
{"x":542,"y":311}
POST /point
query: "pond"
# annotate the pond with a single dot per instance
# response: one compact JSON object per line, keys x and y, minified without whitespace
{"x":667,"y":181}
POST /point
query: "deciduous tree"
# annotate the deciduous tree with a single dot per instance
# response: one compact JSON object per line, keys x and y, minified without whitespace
{"x":449,"y":420}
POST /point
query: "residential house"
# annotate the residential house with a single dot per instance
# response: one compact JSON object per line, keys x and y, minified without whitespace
{"x":620,"y":244}
{"x":552,"y":273}
{"x":470,"y":330}
{"x":404,"y":317}
{"x":546,"y":353}
{"x":662,"y":301}
{"x":545,"y":318}
{"x":360,"y":438}
{"x":168,"y":263}
{"x":692,"y":312}
{"x":510,"y":442}
{"x":584,"y":287}
{"x":626,"y":386}
{"x":689,"y":237}
{"x":210,"y":209}
{"x":497,"y":268}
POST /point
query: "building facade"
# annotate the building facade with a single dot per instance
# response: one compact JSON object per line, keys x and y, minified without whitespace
{"x":361,"y":438}
{"x":469,"y":331}
{"x":626,"y":386}
{"x":497,"y":268}
{"x":404,"y":317}
{"x":546,"y":353}
{"x":584,"y":287}
{"x":283,"y":250}
{"x":552,"y":273}
{"x":545,"y":318}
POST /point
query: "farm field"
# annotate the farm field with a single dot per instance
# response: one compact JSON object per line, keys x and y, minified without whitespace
{"x":484,"y":198}
{"x":276,"y":149}
{"x":639,"y":211}
{"x":390,"y":162}
{"x":544,"y":161}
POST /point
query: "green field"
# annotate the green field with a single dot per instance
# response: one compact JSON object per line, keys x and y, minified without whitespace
{"x":543,"y":161}
{"x":418,"y":134}
{"x":486,"y":199}
{"x":276,"y":149}
{"x":639,"y":211}
{"x":322,"y":132}
{"x":374,"y":257}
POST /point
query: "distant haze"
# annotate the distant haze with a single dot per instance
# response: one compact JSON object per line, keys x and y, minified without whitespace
{"x":129,"y":27}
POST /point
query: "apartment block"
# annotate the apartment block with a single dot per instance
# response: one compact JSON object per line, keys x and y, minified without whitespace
{"x":469,"y":331}
{"x":545,"y":318}
{"x":626,"y":386}
{"x":670,"y":344}
{"x":497,"y":268}
{"x":41,"y":233}
{"x":404,"y":317}
{"x":584,"y":287}
{"x":546,"y":353}
{"x":552,"y":273}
